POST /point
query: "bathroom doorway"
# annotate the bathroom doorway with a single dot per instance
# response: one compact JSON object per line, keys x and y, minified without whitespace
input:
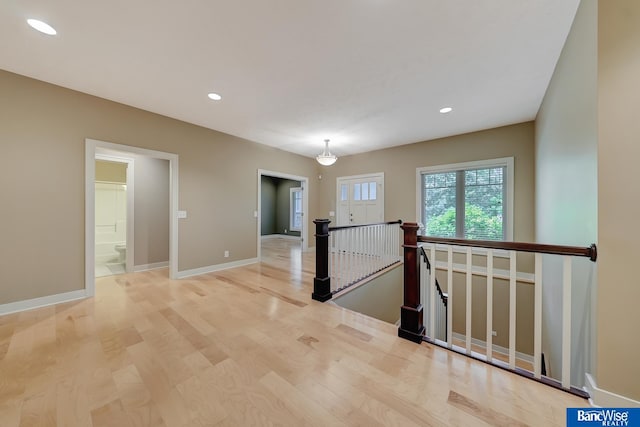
{"x":153,"y":226}
{"x":113,"y":216}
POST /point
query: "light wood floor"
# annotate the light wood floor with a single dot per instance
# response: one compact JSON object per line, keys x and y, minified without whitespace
{"x":243,"y":347}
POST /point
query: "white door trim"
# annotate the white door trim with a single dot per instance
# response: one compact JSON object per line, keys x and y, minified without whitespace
{"x":92,"y":147}
{"x":130,"y":241}
{"x":305,"y":206}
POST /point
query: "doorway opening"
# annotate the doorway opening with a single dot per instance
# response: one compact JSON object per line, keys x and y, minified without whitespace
{"x":114,"y":201}
{"x":100,"y":150}
{"x":282,"y":209}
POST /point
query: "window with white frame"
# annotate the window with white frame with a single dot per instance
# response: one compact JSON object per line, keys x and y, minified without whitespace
{"x":295,"y":218}
{"x":471,"y":200}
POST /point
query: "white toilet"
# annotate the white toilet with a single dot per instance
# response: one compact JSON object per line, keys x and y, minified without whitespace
{"x":122,"y":252}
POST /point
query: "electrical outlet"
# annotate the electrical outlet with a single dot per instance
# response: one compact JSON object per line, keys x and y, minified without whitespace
{"x":494,"y":333}
{"x":285,"y":231}
{"x":226,"y":254}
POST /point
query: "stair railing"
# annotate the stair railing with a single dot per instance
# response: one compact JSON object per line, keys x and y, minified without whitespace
{"x":346,"y":255}
{"x":433,"y":297}
{"x":411,"y":314}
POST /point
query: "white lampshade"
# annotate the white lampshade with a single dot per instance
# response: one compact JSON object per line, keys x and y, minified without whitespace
{"x":326,"y":158}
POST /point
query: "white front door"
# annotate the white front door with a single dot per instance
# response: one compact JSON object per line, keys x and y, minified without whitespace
{"x":360,"y":199}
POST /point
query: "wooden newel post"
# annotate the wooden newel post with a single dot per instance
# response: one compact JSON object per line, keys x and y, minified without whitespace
{"x":411,"y":326}
{"x":322,"y":281}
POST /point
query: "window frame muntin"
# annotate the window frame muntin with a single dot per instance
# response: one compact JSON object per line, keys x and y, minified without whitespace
{"x":508,"y":180}
{"x":292,"y":191}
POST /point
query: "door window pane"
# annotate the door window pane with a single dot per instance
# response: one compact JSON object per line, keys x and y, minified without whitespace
{"x":356,"y":191}
{"x":372,"y":191}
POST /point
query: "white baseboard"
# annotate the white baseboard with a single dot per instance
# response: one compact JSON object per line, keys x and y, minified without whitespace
{"x":279,"y":236}
{"x":217,"y":267}
{"x":496,"y":348}
{"x":606,"y":399}
{"x":29,"y":304}
{"x":152,"y":266}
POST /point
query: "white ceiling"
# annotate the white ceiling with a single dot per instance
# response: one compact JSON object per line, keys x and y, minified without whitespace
{"x":367,"y":74}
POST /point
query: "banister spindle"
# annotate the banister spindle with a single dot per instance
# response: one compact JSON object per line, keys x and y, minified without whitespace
{"x":469,"y":295}
{"x":331,"y":266}
{"x":450,"y":296}
{"x":489,"y":305}
{"x":566,"y":322}
{"x":432,"y":293}
{"x":512,"y":309}
{"x":537,"y":318}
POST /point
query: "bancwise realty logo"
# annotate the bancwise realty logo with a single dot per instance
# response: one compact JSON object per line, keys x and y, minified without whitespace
{"x":606,"y":417}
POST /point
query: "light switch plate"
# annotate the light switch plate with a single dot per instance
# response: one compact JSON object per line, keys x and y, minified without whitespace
{"x":332,"y":213}
{"x":182,"y":214}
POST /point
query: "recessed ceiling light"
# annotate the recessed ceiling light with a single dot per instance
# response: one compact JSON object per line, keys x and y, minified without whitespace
{"x":445,"y":110}
{"x":214,"y":96}
{"x":43,"y":27}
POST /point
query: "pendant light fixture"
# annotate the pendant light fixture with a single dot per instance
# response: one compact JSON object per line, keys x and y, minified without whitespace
{"x":326,"y":158}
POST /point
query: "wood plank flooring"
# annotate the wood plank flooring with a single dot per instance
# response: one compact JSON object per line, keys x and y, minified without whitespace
{"x":243,"y":347}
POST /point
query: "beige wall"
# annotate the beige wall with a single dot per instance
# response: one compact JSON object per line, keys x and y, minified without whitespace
{"x":151,"y":210}
{"x":566,"y":192}
{"x":43,"y":129}
{"x":399,"y":166}
{"x":111,"y":171}
{"x":380,"y":298}
{"x":618,"y":369}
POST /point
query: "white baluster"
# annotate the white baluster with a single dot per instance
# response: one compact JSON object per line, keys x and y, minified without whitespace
{"x":469,"y":296}
{"x":332,"y":274}
{"x":537,"y":318}
{"x":566,"y":322}
{"x":432,"y":292}
{"x":361,"y":258}
{"x":371,"y":249}
{"x":340,"y":268}
{"x":424,"y":294}
{"x":489,"y":305}
{"x":384,"y":245}
{"x":450,"y":292}
{"x":348,"y":243}
{"x":512,"y":309}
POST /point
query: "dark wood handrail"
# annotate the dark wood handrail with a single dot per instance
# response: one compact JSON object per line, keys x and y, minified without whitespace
{"x":342,"y":227}
{"x":590,"y":252}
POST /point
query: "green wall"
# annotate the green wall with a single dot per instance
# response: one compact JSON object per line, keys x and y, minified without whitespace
{"x":275,"y":205}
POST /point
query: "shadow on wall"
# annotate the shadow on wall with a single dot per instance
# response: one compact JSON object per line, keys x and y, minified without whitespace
{"x":380,"y":298}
